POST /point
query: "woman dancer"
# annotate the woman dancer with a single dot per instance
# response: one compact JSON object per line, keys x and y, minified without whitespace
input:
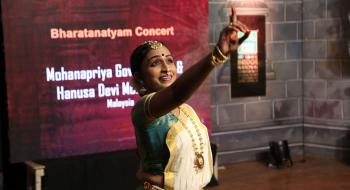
{"x":173,"y":144}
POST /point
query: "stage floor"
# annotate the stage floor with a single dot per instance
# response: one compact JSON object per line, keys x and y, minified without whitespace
{"x":313,"y":174}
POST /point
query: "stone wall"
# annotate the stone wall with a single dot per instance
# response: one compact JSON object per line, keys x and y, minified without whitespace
{"x":307,"y":103}
{"x":326,"y":70}
{"x":243,"y":127}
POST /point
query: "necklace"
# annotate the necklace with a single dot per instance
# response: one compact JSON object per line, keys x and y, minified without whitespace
{"x":198,"y":151}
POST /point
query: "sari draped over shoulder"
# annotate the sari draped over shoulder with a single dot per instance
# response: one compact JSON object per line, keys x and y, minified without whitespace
{"x":180,"y":172}
{"x":165,"y":147}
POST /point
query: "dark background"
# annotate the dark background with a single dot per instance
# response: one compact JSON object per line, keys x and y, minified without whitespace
{"x":82,"y":144}
{"x":42,"y":127}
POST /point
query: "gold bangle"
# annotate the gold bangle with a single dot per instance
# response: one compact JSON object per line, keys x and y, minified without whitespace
{"x":214,"y":60}
{"x":217,"y":57}
{"x":221,"y":54}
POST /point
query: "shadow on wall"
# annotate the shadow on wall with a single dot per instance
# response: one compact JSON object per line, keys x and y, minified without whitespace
{"x":343,"y":154}
{"x":340,"y":50}
{"x":342,"y":32}
{"x":338,"y":47}
{"x":347,"y":92}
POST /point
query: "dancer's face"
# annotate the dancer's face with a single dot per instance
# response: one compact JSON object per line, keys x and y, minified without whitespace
{"x":158,"y":69}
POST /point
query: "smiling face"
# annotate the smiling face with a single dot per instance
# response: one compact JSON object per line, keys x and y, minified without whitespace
{"x":158,"y":69}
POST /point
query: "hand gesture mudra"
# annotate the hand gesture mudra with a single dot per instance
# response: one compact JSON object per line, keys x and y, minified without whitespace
{"x":228,"y":41}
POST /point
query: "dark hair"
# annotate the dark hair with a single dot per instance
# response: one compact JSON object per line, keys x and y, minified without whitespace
{"x":139,"y":54}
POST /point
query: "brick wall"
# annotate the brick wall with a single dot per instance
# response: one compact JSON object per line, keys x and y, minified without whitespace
{"x":307,"y":48}
{"x":326,"y":68}
{"x":243,"y":127}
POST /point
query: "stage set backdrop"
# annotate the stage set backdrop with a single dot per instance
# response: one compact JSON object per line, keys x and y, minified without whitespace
{"x":68,"y":74}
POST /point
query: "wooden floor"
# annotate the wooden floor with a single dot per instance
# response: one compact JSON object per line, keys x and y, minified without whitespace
{"x":313,"y":174}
